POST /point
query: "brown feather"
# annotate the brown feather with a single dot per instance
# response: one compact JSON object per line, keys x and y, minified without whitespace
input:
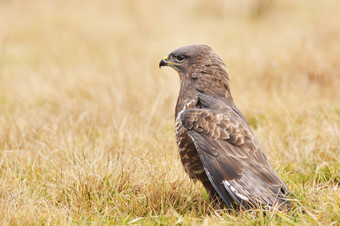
{"x":216,"y":144}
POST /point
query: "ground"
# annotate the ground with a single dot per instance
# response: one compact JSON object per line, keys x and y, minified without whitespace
{"x":87,"y":118}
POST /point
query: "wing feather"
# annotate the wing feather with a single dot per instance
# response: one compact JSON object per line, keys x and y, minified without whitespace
{"x":231,"y":155}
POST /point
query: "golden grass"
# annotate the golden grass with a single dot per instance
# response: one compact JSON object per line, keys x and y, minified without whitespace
{"x":87,"y":118}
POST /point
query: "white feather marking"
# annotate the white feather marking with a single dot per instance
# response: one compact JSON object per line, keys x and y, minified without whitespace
{"x":228,"y":186}
{"x":178,"y":119}
{"x":219,"y":117}
{"x":242,"y":196}
{"x":232,"y":189}
{"x":226,"y":182}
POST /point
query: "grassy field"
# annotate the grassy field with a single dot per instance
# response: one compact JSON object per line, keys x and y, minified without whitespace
{"x":87,"y":118}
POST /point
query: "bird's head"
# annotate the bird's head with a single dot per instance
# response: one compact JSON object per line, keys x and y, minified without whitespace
{"x":200,"y":67}
{"x":185,"y":58}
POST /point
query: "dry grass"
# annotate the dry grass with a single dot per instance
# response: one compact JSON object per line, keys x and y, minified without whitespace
{"x":87,"y":127}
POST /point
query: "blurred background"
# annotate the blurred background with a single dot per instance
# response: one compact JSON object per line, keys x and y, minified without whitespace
{"x":80,"y":83}
{"x":61,"y":59}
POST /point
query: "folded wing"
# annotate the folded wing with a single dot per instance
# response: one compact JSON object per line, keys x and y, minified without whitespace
{"x":231,"y":155}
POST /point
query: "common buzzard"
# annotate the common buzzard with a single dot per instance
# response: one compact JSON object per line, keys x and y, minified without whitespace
{"x":216,"y":144}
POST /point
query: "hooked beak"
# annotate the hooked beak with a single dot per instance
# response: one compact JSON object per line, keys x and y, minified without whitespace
{"x":163,"y":62}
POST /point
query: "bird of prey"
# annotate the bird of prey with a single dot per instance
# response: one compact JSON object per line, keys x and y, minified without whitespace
{"x":216,"y":144}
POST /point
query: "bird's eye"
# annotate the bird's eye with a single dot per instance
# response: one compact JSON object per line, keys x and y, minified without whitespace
{"x":180,"y":57}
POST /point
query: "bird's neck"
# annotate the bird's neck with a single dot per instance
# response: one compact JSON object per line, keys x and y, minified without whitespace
{"x":215,"y":84}
{"x":213,"y":80}
{"x":187,"y":97}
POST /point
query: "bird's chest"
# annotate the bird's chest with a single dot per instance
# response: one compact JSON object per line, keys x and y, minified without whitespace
{"x":187,"y":150}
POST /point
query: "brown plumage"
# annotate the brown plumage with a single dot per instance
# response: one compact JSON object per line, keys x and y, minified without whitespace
{"x":215,"y":142}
